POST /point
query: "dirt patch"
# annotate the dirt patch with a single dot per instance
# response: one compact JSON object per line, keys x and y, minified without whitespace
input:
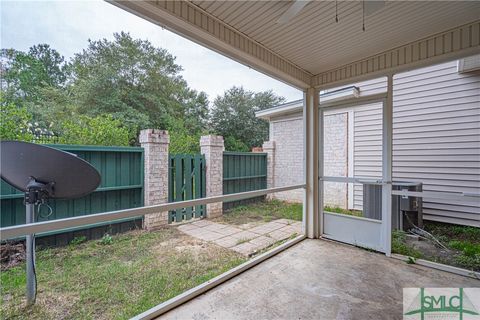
{"x":430,"y":251}
{"x":11,"y":254}
{"x":453,"y":245}
{"x":182,"y":243}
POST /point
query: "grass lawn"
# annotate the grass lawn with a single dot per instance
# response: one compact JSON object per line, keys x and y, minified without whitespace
{"x":262,"y":211}
{"x":266,"y":211}
{"x":116,"y":278}
{"x":350,"y":212}
{"x":463,"y":245}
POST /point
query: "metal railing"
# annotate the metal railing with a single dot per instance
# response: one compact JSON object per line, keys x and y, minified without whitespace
{"x":57,"y":225}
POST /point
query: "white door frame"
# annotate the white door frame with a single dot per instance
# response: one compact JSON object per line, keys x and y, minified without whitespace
{"x":382,"y":227}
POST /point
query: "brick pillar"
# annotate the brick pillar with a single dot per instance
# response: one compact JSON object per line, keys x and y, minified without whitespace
{"x":212,"y":147}
{"x":155,"y":145}
{"x":269,"y":149}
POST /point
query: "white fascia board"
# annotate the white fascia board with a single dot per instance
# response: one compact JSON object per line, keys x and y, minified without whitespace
{"x":283,"y":109}
{"x":297,"y":105}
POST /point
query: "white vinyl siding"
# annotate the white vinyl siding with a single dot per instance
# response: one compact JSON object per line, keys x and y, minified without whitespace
{"x":367,"y":145}
{"x":436,"y":138}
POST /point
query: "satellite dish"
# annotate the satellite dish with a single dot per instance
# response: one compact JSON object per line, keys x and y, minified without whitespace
{"x":64,"y":174}
{"x":43,"y":173}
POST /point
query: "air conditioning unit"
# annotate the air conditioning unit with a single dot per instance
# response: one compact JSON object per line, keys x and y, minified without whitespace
{"x":405,"y":210}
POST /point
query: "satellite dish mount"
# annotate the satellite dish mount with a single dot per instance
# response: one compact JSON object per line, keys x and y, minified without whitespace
{"x":43,"y":173}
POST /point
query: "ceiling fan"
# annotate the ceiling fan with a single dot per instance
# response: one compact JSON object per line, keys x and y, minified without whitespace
{"x":369,"y":7}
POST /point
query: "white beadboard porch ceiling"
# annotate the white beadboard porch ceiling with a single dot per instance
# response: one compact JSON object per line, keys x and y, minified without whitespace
{"x":312,"y":39}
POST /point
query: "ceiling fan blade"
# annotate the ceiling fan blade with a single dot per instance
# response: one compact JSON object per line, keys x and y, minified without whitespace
{"x":373,"y":6}
{"x":291,"y":12}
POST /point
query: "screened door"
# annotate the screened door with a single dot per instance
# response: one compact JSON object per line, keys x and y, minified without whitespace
{"x":353,"y":180}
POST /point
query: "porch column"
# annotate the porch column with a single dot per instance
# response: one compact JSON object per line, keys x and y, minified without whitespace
{"x":212,"y":147}
{"x":387,"y":167}
{"x":269,"y":148}
{"x":155,"y":147}
{"x":313,"y":197}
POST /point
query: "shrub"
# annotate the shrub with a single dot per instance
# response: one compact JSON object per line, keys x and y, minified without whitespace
{"x":399,"y":245}
{"x":99,"y":130}
{"x":14,"y":123}
{"x":78,"y":240}
{"x":106,"y":239}
{"x":232,"y":144}
{"x":182,"y":142}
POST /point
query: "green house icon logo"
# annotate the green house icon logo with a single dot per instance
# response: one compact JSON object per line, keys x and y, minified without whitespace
{"x":441,"y":304}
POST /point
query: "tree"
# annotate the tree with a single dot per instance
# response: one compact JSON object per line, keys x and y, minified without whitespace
{"x":233,"y":116}
{"x":136,"y":83}
{"x":14,"y":123}
{"x":35,"y":80}
{"x":23,"y":74}
{"x":99,"y":130}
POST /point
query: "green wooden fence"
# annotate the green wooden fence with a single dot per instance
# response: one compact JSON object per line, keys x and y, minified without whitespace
{"x":186,"y":181}
{"x":121,"y":169}
{"x":243,"y":171}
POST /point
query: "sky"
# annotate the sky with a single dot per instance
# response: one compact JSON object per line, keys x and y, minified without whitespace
{"x":67,"y":25}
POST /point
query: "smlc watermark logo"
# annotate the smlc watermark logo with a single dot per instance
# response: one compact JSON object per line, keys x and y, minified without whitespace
{"x":441,"y":303}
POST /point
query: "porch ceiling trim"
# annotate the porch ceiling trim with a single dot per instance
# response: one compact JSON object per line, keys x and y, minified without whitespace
{"x":452,"y":44}
{"x":192,"y":22}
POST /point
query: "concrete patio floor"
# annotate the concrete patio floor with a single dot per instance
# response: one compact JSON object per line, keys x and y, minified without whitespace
{"x":245,"y":239}
{"x":317,"y":279}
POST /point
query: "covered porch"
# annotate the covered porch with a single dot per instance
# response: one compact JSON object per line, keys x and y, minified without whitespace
{"x":314,"y":46}
{"x":317,"y":280}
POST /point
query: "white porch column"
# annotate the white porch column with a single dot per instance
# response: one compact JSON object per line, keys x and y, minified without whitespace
{"x":387,"y":167}
{"x":311,"y":217}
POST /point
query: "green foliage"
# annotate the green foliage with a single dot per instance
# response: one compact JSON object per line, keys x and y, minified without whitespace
{"x":136,"y":272}
{"x":469,"y":255}
{"x":182,"y":140}
{"x":469,"y":262}
{"x":400,"y":246}
{"x":451,"y":231}
{"x":135,"y":83}
{"x":467,"y":248}
{"x":350,"y":212}
{"x":464,"y":242}
{"x":78,"y":240}
{"x":99,"y":130}
{"x":126,"y":79}
{"x":263,"y":211}
{"x":24,"y":74}
{"x":411,"y":260}
{"x":233,"y":144}
{"x":106,"y":239}
{"x":14,"y":123}
{"x":233,"y":116}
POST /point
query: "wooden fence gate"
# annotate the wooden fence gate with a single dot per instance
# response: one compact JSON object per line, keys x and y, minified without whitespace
{"x":186,"y":181}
